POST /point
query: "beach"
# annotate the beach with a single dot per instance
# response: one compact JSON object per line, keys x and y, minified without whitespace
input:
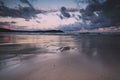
{"x":59,"y":57}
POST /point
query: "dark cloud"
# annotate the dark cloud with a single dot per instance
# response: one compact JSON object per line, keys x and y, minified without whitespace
{"x":102,"y":14}
{"x":7,"y":23}
{"x":111,"y":9}
{"x":27,"y":2}
{"x":21,"y":12}
{"x":4,"y":23}
{"x":1,"y":3}
{"x":64,"y":12}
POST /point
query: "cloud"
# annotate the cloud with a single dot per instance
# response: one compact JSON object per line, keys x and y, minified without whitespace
{"x":96,"y":14}
{"x":7,"y":23}
{"x":64,"y":12}
{"x":4,"y":23}
{"x":27,"y":2}
{"x":21,"y":12}
{"x":101,"y":13}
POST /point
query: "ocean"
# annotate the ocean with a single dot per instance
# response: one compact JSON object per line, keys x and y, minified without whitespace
{"x":59,"y":56}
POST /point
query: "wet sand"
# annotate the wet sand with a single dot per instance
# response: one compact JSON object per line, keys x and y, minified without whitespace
{"x":58,"y":57}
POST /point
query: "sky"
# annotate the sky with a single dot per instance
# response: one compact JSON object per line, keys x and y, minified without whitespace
{"x":32,"y":16}
{"x":47,"y":4}
{"x":41,"y":21}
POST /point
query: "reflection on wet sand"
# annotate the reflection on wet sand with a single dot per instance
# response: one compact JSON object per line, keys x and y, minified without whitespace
{"x":59,"y":57}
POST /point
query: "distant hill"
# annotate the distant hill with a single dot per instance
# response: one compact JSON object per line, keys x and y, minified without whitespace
{"x":5,"y":30}
{"x":50,"y":31}
{"x":42,"y":31}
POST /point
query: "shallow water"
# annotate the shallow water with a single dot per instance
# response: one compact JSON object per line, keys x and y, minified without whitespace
{"x":59,"y":57}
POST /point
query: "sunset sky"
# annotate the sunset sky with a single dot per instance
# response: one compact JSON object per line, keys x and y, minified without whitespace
{"x":32,"y":15}
{"x":41,"y":21}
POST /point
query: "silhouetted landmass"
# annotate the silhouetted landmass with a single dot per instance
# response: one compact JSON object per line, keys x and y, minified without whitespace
{"x":5,"y":30}
{"x":52,"y":31}
{"x":38,"y":31}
